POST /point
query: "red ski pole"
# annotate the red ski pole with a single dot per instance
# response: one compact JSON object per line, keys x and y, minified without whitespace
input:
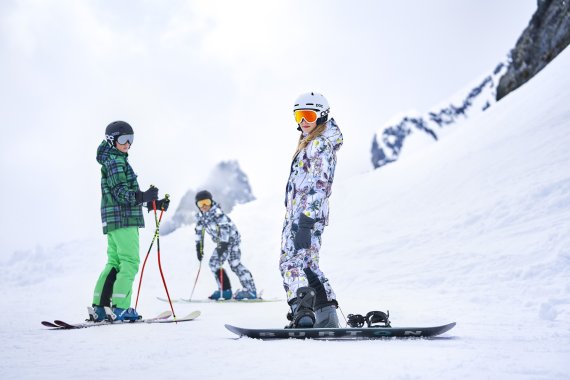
{"x":156,"y":232}
{"x":221,"y":283}
{"x":158,"y":249}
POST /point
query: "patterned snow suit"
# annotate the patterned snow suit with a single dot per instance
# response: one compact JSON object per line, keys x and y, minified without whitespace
{"x":121,"y":217}
{"x":308,"y":191}
{"x":220,"y":227}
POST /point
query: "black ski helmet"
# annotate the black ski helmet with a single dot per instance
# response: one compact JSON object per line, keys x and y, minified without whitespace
{"x":204,"y":194}
{"x":116,"y":129}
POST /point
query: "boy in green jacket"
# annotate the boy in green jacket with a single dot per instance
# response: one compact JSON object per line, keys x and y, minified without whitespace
{"x":121,"y":214}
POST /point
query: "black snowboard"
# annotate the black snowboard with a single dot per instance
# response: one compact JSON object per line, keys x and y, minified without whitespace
{"x":343,"y":333}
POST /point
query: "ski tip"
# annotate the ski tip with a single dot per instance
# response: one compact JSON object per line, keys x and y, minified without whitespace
{"x":50,"y":324}
{"x":164,"y":315}
{"x":449,"y":326}
{"x":235,"y":330}
{"x":193,"y":315}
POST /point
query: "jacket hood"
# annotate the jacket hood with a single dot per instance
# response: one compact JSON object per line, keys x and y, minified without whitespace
{"x":333,"y":134}
{"x":104,"y":152}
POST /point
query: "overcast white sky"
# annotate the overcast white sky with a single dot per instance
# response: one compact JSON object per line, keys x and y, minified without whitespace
{"x":205,"y":81}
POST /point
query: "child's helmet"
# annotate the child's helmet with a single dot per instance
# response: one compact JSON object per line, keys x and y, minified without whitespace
{"x":116,"y":129}
{"x":204,"y":194}
{"x":315,"y":102}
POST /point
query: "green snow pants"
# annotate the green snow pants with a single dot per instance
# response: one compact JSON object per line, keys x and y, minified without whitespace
{"x":115,"y":283}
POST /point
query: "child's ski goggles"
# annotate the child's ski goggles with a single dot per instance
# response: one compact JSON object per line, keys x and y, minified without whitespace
{"x":123,"y":139}
{"x":309,"y":115}
{"x":204,"y":202}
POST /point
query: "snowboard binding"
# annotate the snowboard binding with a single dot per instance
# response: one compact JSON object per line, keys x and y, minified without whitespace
{"x":372,"y":319}
{"x":302,"y":314}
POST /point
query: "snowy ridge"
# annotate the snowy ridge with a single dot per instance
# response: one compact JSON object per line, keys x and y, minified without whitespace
{"x":388,"y":142}
{"x":473,"y":229}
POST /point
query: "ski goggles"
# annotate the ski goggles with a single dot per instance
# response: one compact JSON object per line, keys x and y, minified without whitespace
{"x":123,"y":139}
{"x":309,"y":116}
{"x":204,"y":202}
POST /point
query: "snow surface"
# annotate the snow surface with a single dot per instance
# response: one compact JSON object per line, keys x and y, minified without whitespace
{"x":473,"y":229}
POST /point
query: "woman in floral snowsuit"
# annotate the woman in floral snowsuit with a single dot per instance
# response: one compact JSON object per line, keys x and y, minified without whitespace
{"x":309,"y":293}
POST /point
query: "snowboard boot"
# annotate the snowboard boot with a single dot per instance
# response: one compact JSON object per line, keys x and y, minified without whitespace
{"x":96,"y":313}
{"x":129,"y":314}
{"x":226,"y":294}
{"x":326,"y":317}
{"x":246,"y":295}
{"x":302,"y":314}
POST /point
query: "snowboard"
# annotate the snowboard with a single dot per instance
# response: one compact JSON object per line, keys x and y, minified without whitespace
{"x":350,"y":333}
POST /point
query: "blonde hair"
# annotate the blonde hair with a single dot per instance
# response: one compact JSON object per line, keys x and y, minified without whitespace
{"x":304,"y":141}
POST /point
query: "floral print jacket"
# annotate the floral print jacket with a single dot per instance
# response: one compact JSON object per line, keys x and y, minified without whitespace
{"x":311,"y":178}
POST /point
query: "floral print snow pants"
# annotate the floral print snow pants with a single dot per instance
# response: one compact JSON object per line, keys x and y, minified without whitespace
{"x":301,"y":267}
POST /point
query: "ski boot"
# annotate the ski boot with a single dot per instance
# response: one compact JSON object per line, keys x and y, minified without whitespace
{"x":246,"y":295}
{"x":302,"y":313}
{"x":129,"y":314}
{"x":96,"y":313}
{"x":326,"y":317}
{"x":226,"y":294}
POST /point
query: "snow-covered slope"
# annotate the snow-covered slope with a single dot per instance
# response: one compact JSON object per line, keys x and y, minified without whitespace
{"x":473,"y":229}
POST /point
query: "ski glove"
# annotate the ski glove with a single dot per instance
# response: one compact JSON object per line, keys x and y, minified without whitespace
{"x":146,"y":196}
{"x":161,"y":204}
{"x":199,"y":251}
{"x":303,"y":236}
{"x":222,"y":247}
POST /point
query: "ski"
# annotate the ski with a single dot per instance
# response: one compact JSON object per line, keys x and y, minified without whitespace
{"x":65,"y":325}
{"x":161,"y":318}
{"x":49,"y":324}
{"x":190,"y":317}
{"x":349,"y":333}
{"x":232,"y":300}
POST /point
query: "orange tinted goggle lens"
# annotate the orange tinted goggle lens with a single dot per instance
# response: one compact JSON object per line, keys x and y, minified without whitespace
{"x":204,"y":202}
{"x":309,"y":115}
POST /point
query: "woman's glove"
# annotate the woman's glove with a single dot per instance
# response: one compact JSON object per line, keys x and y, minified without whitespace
{"x":303,"y":236}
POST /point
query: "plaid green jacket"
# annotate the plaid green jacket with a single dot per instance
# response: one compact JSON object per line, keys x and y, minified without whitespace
{"x":119,"y":207}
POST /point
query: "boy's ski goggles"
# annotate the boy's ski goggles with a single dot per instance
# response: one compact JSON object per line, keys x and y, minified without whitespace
{"x":309,"y":115}
{"x":123,"y":139}
{"x":204,"y":202}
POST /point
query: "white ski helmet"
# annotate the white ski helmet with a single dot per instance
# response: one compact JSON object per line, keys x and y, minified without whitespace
{"x":313,"y":101}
